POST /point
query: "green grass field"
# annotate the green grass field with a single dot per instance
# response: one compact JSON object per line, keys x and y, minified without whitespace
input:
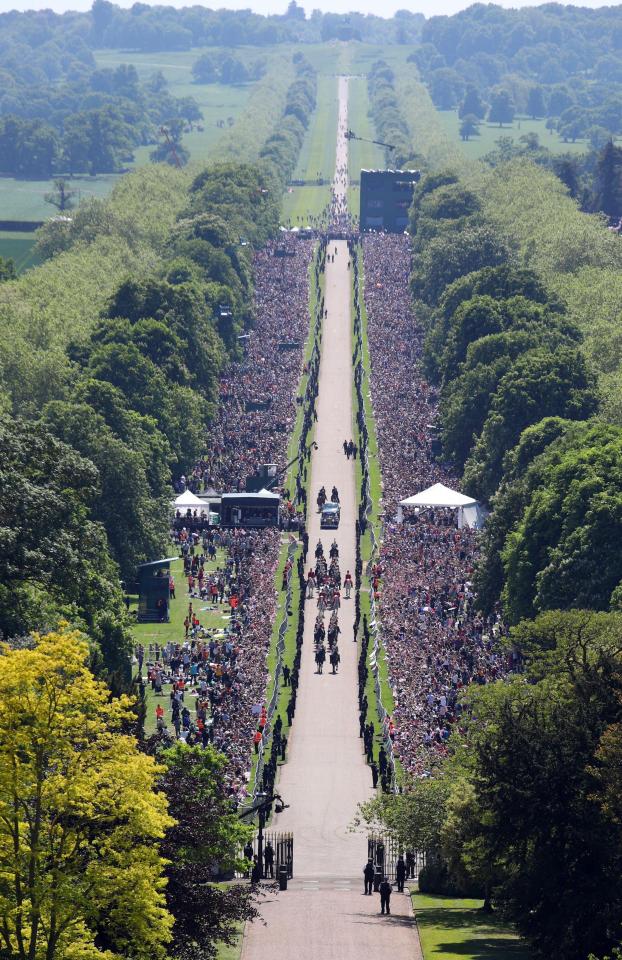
{"x":454,"y":929}
{"x":490,"y":133}
{"x":24,"y":199}
{"x":19,"y":248}
{"x":361,"y":155}
{"x":216,"y":101}
{"x":215,"y":619}
{"x":317,"y":158}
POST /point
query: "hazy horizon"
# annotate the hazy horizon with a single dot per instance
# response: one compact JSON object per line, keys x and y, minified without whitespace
{"x":427,"y":7}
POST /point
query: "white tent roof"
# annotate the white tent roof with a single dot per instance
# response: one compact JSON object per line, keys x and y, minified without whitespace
{"x":188,"y":499}
{"x":438,"y":495}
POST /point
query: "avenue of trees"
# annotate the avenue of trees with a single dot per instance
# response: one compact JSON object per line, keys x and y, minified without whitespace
{"x":519,"y":294}
{"x":389,"y":122}
{"x":140,"y":304}
{"x":39,"y":43}
{"x":110,"y":844}
{"x":557,"y":62}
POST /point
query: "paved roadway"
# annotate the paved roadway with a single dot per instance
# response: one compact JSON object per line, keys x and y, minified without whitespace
{"x":324,"y":914}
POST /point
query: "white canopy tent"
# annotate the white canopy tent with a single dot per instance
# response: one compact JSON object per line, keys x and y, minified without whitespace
{"x":438,"y":495}
{"x":187,"y":499}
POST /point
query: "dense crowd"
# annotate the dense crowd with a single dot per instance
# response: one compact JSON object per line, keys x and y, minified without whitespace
{"x":257,"y":408}
{"x":210,"y":684}
{"x":435,"y":640}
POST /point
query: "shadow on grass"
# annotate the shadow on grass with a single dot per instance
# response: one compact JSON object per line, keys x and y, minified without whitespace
{"x":483,"y":937}
{"x":493,"y":948}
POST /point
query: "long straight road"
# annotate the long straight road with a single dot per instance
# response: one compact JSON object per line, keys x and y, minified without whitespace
{"x":324,"y":913}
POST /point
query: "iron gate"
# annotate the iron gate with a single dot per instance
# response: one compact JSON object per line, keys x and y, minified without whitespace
{"x":384,"y":850}
{"x":283,"y":845}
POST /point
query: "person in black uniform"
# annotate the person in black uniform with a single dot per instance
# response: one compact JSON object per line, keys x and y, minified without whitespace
{"x":385,"y":896}
{"x":368,"y":874}
{"x":268,"y":859}
{"x":400,"y":873}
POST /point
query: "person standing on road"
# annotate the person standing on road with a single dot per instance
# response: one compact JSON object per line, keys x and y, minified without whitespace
{"x":368,"y":874}
{"x":268,"y":859}
{"x":385,"y":891}
{"x":347,"y":583}
{"x":400,"y":873}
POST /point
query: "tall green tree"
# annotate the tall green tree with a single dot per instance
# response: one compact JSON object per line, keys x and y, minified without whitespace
{"x":207,"y":835}
{"x":80,"y":819}
{"x":608,"y":181}
{"x":54,"y":558}
{"x":539,"y":384}
{"x":502,"y":107}
{"x":555,"y":848}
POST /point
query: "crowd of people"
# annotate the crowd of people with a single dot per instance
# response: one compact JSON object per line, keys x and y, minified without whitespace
{"x":257,"y":405}
{"x":212,"y":681}
{"x":435,"y":640}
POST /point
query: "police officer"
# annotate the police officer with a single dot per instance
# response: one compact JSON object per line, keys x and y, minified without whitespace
{"x":374,"y":775}
{"x":248,"y":854}
{"x":368,"y":874}
{"x":400,"y":873}
{"x":385,"y":896}
{"x":268,"y":859}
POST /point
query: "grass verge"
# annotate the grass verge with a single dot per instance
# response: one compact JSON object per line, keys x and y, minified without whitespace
{"x":456,"y":929}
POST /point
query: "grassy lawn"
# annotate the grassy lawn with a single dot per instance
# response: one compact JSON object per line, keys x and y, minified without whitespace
{"x":224,"y":952}
{"x":19,"y":247}
{"x":214,"y":619}
{"x":490,"y":133}
{"x":317,"y":157}
{"x":24,"y":199}
{"x":361,"y":156}
{"x":456,"y":929}
{"x":216,"y":101}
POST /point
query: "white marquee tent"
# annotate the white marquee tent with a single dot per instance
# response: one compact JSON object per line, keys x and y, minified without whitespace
{"x":189,"y":500}
{"x":438,"y":495}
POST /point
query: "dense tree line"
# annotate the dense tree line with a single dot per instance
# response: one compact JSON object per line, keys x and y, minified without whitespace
{"x":525,"y":811}
{"x":224,"y":67}
{"x":134,"y":383}
{"x":280,"y":152}
{"x":389,"y":122}
{"x":517,"y":398}
{"x":39,"y":45}
{"x":85,"y":124}
{"x":518,"y":293}
{"x":556,"y":62}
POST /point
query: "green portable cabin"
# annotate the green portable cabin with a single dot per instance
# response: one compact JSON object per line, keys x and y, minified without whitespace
{"x":153,"y":591}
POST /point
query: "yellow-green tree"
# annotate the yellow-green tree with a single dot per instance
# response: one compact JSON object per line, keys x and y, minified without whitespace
{"x":81,"y":876}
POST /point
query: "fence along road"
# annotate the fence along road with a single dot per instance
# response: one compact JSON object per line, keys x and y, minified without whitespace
{"x":323,"y":914}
